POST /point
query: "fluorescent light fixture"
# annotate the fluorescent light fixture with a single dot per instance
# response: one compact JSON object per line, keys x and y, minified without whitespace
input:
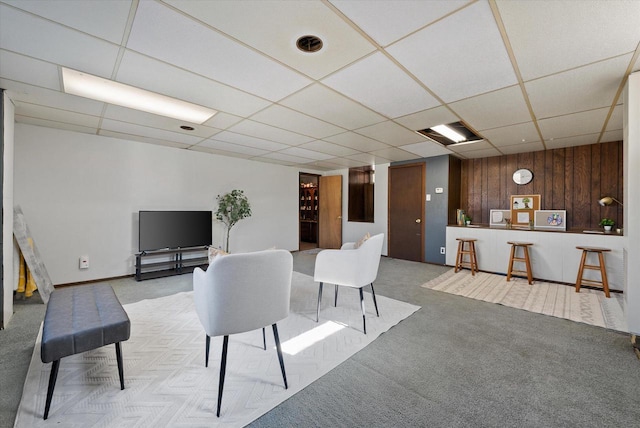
{"x":108,"y":91}
{"x":308,"y":338}
{"x":449,"y":133}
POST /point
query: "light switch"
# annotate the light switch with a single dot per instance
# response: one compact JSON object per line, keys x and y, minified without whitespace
{"x":428,"y":197}
{"x":84,"y":262}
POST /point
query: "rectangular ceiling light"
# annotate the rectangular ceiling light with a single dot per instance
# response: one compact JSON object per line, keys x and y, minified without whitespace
{"x":451,"y":133}
{"x":108,"y":91}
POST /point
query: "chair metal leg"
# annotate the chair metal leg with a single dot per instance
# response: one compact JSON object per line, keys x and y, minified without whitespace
{"x":373,"y":293}
{"x":364,"y":321}
{"x":319,"y":300}
{"x":335,"y":300}
{"x":279,"y":349}
{"x":52,"y":384}
{"x":264,"y":339}
{"x":223,"y":367}
{"x":120,"y":368}
{"x":206,"y":351}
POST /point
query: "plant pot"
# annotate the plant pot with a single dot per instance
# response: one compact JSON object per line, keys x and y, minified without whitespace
{"x":468,"y":222}
{"x":607,"y":228}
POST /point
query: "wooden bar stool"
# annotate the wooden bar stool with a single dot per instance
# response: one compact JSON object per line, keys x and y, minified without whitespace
{"x":526,"y":260}
{"x":604,"y":283}
{"x":470,"y":252}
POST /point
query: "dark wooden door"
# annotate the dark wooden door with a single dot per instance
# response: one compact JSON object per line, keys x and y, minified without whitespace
{"x":330,"y":207}
{"x":406,"y":211}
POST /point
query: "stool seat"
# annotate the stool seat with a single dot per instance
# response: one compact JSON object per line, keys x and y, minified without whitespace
{"x":604,"y":282}
{"x":470,"y":251}
{"x":524,"y":259}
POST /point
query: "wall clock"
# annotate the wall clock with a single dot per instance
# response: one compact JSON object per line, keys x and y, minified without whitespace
{"x":522,"y":176}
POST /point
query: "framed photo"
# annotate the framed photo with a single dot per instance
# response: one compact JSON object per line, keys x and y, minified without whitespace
{"x":550,"y":219}
{"x":498,"y":218}
{"x":523,"y":208}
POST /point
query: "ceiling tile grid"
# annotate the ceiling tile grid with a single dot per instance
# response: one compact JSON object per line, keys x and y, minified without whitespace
{"x":515,"y":71}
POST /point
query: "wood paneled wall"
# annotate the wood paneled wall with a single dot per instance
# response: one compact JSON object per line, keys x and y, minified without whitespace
{"x":571,"y":179}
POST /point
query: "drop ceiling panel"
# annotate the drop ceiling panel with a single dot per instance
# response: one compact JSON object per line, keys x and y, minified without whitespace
{"x":508,"y":107}
{"x":56,"y":115}
{"x":469,"y":147}
{"x":580,"y":89}
{"x":165,"y":34}
{"x":52,"y":124}
{"x":389,"y":20}
{"x":289,"y":159}
{"x":143,"y":139}
{"x":144,"y":131}
{"x":124,"y":114}
{"x":28,"y":70}
{"x":616,"y":120}
{"x":477,"y":154}
{"x":426,"y":149}
{"x":321,"y":102}
{"x":282,"y":117}
{"x":212,"y":151}
{"x":305,"y":153}
{"x":511,"y":135}
{"x":393,"y":154}
{"x":573,"y":124}
{"x":609,"y":136}
{"x":522,"y":148}
{"x":23,"y":33}
{"x":428,"y":118}
{"x":222,"y":120}
{"x":357,"y":142}
{"x":565,"y":27}
{"x":267,"y":132}
{"x":181,"y":84}
{"x":106,"y":20}
{"x":46,"y":97}
{"x":347,"y":163}
{"x":579,"y":140}
{"x":246,"y":140}
{"x":234,"y":148}
{"x":252,"y":22}
{"x":450,"y":56}
{"x":390,"y":133}
{"x":329,"y":148}
{"x":379,"y":84}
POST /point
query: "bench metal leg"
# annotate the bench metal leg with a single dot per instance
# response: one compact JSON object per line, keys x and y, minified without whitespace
{"x":52,"y":384}
{"x":120,"y":366}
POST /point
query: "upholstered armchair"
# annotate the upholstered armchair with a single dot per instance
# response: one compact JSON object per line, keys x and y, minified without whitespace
{"x":350,"y":267}
{"x":240,"y":293}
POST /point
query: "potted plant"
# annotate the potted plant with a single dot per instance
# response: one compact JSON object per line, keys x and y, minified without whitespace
{"x":526,"y":201}
{"x":232,"y":207}
{"x":467,"y":219}
{"x":607,"y":223}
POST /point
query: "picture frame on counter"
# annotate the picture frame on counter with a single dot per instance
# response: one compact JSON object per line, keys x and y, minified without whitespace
{"x":498,"y":218}
{"x":550,"y":219}
{"x":523,"y":208}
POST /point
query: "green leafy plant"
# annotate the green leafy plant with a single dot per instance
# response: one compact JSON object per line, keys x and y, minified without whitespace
{"x":606,"y":222}
{"x":467,"y":218}
{"x":232,"y":207}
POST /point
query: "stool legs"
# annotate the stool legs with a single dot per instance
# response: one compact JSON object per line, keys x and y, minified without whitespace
{"x":527,"y":262}
{"x":524,"y":259}
{"x":580,"y":271}
{"x":459,"y":257}
{"x":600,"y":267}
{"x":513,"y":253}
{"x":471,"y":251}
{"x":603,"y":272}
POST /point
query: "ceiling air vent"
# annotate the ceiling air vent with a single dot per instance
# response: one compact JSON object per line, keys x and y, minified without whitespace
{"x":309,"y":44}
{"x":450,"y":133}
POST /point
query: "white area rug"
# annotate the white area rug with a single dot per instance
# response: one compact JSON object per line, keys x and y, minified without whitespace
{"x":166,"y":382}
{"x":559,"y":300}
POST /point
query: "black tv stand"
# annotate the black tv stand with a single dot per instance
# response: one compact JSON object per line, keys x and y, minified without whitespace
{"x":170,"y":261}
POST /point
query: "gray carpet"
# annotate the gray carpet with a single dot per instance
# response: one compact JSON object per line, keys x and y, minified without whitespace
{"x":456,"y":362}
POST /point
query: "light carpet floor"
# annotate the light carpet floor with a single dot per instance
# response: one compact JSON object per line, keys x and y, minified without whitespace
{"x":559,"y":300}
{"x":166,"y":382}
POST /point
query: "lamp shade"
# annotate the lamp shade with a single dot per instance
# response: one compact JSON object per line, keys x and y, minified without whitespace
{"x":608,"y":200}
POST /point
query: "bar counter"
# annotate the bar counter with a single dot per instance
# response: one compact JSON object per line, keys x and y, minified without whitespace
{"x":554,"y":256}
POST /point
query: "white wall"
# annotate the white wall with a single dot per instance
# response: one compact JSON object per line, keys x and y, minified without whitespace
{"x":631,"y":201}
{"x":81,"y":193}
{"x":7,"y":206}
{"x":353,"y":231}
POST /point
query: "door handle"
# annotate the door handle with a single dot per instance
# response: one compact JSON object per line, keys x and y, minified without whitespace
{"x":418,"y":220}
{"x":339,"y":217}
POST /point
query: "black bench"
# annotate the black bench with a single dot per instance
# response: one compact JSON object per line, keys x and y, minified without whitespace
{"x":80,"y":319}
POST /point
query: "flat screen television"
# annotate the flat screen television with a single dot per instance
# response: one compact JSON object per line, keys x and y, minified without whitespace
{"x":174,"y":229}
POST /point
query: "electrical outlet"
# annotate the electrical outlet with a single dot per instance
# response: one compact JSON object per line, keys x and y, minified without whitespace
{"x":442,"y":250}
{"x":84,"y":262}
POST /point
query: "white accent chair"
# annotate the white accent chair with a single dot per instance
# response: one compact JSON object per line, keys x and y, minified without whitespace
{"x":240,"y":293}
{"x":350,"y":267}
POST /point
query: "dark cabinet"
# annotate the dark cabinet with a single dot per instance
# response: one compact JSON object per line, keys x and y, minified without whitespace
{"x":309,"y":213}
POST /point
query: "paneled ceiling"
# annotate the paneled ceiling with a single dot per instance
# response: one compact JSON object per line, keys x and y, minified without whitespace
{"x":525,"y":75}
